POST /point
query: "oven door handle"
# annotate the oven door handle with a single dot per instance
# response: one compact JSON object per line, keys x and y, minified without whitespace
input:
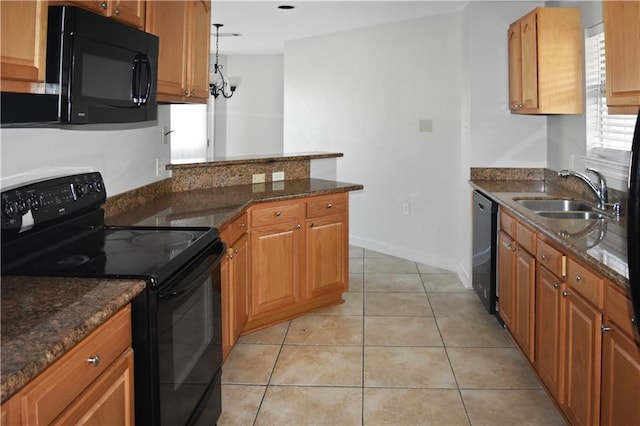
{"x":193,"y":277}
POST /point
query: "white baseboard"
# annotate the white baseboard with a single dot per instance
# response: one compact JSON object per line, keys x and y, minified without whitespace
{"x":414,"y":256}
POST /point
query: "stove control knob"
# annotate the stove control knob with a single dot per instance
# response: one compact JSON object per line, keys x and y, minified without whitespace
{"x":23,"y":207}
{"x":10,"y":209}
{"x":97,"y":186}
{"x":35,"y":202}
{"x":83,"y":189}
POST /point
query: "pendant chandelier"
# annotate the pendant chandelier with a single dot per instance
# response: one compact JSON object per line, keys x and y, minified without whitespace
{"x":220,"y":85}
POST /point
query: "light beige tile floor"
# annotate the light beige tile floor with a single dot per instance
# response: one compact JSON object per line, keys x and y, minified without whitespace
{"x":409,"y":346}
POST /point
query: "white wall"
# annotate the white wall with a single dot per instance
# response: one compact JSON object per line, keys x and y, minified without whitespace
{"x":126,"y":158}
{"x":253,"y":117}
{"x":362,"y":92}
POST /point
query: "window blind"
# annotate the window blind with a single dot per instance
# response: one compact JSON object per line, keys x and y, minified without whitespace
{"x":608,"y":135}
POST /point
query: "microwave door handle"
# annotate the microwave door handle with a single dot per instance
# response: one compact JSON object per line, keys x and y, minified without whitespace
{"x":147,"y":64}
{"x":135,"y":86}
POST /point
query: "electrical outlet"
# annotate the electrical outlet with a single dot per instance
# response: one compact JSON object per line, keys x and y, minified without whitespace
{"x":258,"y":178}
{"x":159,"y":166}
{"x":405,"y":208}
{"x":425,"y":125}
{"x":276,"y":176}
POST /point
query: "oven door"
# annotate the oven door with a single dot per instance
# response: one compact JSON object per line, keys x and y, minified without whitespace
{"x":183,"y":363}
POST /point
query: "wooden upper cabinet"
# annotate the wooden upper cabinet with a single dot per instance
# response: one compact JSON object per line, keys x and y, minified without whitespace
{"x":622,"y":55}
{"x":545,"y":62}
{"x":183,"y":63}
{"x":130,"y":12}
{"x":24,"y":45}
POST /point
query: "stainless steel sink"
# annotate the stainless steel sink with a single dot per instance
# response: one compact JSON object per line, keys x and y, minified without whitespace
{"x":551,"y":205}
{"x":573,"y":215}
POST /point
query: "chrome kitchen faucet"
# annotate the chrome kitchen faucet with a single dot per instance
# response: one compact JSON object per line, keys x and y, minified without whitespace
{"x":600,"y":190}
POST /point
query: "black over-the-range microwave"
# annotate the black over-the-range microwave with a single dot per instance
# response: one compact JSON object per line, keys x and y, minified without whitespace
{"x":98,"y":70}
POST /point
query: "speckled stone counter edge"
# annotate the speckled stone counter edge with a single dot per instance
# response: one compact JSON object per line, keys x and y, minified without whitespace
{"x":30,"y":353}
{"x":257,"y":159}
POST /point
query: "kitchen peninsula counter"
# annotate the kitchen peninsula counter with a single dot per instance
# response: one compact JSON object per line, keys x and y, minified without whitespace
{"x":42,"y":318}
{"x":218,"y":206}
{"x":601,"y":244}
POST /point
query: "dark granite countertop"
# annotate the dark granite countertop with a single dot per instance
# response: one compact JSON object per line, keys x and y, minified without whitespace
{"x":253,"y":159}
{"x":43,"y":317}
{"x":601,"y":244}
{"x":218,"y":206}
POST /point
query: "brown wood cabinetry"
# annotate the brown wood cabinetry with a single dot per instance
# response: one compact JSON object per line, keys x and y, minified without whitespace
{"x":582,"y":364}
{"x":183,"y":62}
{"x":23,"y":41}
{"x":545,"y":62}
{"x":235,"y":282}
{"x":516,"y":274}
{"x":299,"y":257}
{"x":622,"y":55}
{"x":92,"y":383}
{"x":130,"y":12}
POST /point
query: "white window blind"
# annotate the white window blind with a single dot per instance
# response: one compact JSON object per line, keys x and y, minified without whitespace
{"x":608,"y":135}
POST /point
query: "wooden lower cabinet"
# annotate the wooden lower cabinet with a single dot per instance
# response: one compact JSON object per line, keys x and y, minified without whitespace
{"x":75,"y":391}
{"x":327,"y":243}
{"x":525,"y":273}
{"x":620,"y":379}
{"x":506,"y":278}
{"x":583,"y":345}
{"x":549,"y":328}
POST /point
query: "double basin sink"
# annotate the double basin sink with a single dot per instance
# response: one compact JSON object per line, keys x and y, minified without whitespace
{"x":562,"y":208}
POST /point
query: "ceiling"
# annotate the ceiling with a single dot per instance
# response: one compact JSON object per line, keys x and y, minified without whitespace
{"x":265,"y":28}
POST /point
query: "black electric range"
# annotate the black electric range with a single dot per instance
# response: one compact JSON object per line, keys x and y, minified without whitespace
{"x":56,"y":227}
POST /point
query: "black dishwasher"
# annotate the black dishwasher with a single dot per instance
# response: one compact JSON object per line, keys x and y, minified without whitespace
{"x":485,"y":224}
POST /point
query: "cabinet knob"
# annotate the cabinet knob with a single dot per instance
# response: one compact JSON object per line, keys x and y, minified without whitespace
{"x":544,"y":257}
{"x":329,"y":205}
{"x":117,"y":12}
{"x":186,"y":93}
{"x":241,"y":225}
{"x":298,"y":226}
{"x":565,"y":293}
{"x":311,"y":226}
{"x":604,"y":328}
{"x":94,"y":360}
{"x":556,"y":285}
{"x":578,"y":278}
{"x":193,"y":92}
{"x":236,"y":251}
{"x":278,"y":213}
{"x":103,"y":5}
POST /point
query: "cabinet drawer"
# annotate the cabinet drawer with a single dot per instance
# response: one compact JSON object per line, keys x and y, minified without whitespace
{"x":526,"y":238}
{"x":551,"y":258}
{"x":276,"y":213}
{"x":507,"y":224}
{"x":323,"y":206}
{"x":586,"y":282}
{"x":50,"y":393}
{"x":619,"y":309}
{"x":239,"y":227}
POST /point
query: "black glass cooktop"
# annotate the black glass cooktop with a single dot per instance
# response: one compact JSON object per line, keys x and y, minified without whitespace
{"x":124,"y":252}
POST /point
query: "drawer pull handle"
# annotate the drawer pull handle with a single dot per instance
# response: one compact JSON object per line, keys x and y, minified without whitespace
{"x":94,"y":360}
{"x":329,"y":205}
{"x":578,"y":278}
{"x":278,"y":213}
{"x":604,"y":328}
{"x":117,"y":12}
{"x":565,"y":293}
{"x":103,"y":5}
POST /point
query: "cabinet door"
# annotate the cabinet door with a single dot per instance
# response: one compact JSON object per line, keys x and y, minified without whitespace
{"x":506,"y":279}
{"x":583,"y":345}
{"x":515,"y":66}
{"x":525,"y":302}
{"x":620,"y":379}
{"x":131,"y":12}
{"x":276,"y":267}
{"x":327,"y":256}
{"x":108,"y":401}
{"x":240,"y":282}
{"x":529,"y":61}
{"x":622,"y":55}
{"x":198,"y":56}
{"x":168,"y":20}
{"x":226,"y":298}
{"x":24,"y":44}
{"x":548,"y":329}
